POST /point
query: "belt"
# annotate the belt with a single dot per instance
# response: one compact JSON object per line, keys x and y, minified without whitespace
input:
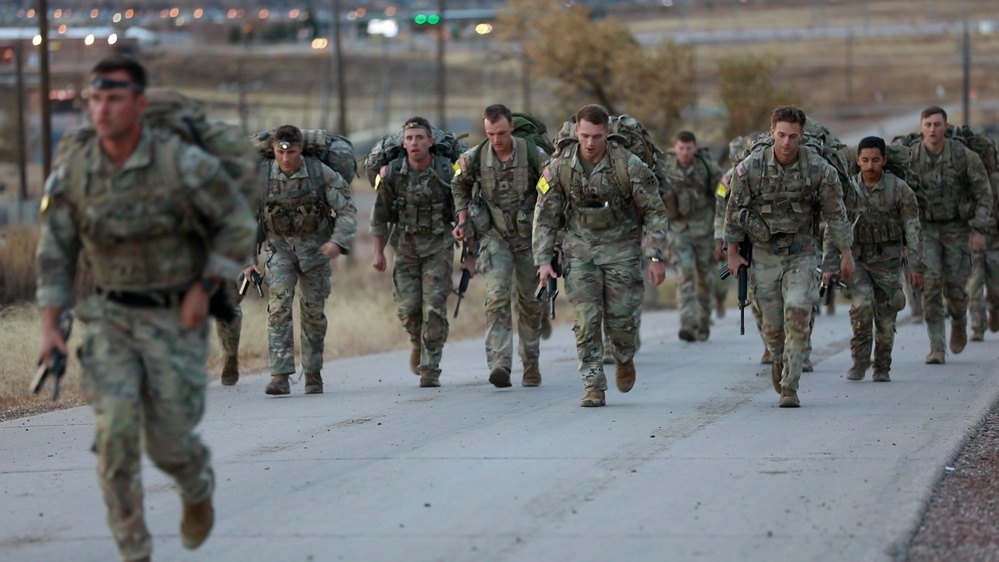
{"x":153,"y":299}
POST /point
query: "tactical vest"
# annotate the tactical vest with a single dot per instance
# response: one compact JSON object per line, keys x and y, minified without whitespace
{"x":507,"y":199}
{"x":691,"y":198}
{"x":591,"y":209}
{"x":300,"y":212}
{"x":942,"y":196}
{"x":788,"y":205}
{"x":875,"y":226}
{"x":421,"y":212}
{"x":143,"y":238}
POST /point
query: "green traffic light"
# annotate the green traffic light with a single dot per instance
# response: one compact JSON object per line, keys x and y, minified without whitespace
{"x":433,"y":19}
{"x":420,"y":19}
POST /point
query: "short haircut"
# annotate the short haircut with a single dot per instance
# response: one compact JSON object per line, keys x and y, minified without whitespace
{"x":933,"y":110}
{"x":872,"y":142}
{"x":593,"y":113}
{"x":136,"y":72}
{"x":290,"y":134}
{"x":788,"y":114}
{"x":686,"y":136}
{"x":418,"y":121}
{"x":494,"y":112}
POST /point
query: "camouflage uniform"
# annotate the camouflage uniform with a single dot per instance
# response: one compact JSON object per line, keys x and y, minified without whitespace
{"x":778,"y":208}
{"x":143,"y":371}
{"x":954,"y":197}
{"x":692,"y":243}
{"x":887,"y":221}
{"x":296,"y":226}
{"x":228,"y":331}
{"x":983,"y":285}
{"x":602,"y":223}
{"x":413,"y":211}
{"x":504,"y":249}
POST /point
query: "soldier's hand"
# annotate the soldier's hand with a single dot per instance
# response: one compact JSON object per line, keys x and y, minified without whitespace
{"x":977,"y":242}
{"x":719,"y":250}
{"x":657,"y":272}
{"x":846,"y":266}
{"x":735,"y":261}
{"x":194,"y":307}
{"x":544,"y":272}
{"x":51,"y":338}
{"x":459,"y":232}
{"x":331,"y":250}
{"x":249,"y":268}
{"x":827,"y":277}
{"x":916,"y":280}
{"x":378,"y":262}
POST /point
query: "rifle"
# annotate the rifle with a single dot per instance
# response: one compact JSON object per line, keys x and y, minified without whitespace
{"x":257,"y":280}
{"x":57,"y":359}
{"x":746,"y":251}
{"x":466,"y":274}
{"x":828,"y":290}
{"x":551,"y":287}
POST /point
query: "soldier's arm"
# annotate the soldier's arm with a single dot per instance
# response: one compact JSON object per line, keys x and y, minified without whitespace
{"x":645,"y":192}
{"x":981,"y":191}
{"x":908,"y":210}
{"x":340,"y":198}
{"x":833,"y":211}
{"x":58,"y":246}
{"x":461,"y":182}
{"x":547,"y":214}
{"x":721,"y":200}
{"x":738,"y":192}
{"x":231,"y":223}
{"x":830,"y":253}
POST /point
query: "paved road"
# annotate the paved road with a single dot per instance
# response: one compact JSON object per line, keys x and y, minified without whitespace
{"x":696,"y":463}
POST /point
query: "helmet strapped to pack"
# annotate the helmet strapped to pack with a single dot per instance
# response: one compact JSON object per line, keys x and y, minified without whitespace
{"x":389,"y":148}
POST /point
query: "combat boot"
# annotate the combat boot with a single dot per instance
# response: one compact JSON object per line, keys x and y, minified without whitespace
{"x":230,"y":372}
{"x":625,"y":375}
{"x":313,"y":383}
{"x":687,"y":334}
{"x":532,"y":375}
{"x":977,"y":335}
{"x":857,"y":372}
{"x":935,"y":358}
{"x":994,"y":319}
{"x":430,"y":380}
{"x":593,"y":399}
{"x":766,"y":359}
{"x":703,"y":333}
{"x":776,"y":373}
{"x":414,"y":360}
{"x":500,"y":377}
{"x":881,"y":376}
{"x":546,"y":327}
{"x":789,"y":399}
{"x":279,"y":385}
{"x":806,"y":366}
{"x":958,"y":337}
{"x":196,"y":523}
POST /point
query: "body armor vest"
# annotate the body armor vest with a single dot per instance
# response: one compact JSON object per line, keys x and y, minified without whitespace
{"x":423,"y":210}
{"x":878,"y":225}
{"x":300,"y":212}
{"x":596,"y":208}
{"x":941,"y":195}
{"x":786,"y":203}
{"x":507,"y":197}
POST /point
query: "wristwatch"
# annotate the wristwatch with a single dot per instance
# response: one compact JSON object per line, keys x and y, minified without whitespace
{"x":656,"y":260}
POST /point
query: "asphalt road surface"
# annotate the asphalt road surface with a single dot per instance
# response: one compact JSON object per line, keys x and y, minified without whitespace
{"x":696,"y":463}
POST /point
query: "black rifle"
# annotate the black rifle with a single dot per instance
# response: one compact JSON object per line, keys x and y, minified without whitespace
{"x":551,"y":287}
{"x":466,"y":274}
{"x":257,"y":280}
{"x":57,"y":359}
{"x":828,"y":290}
{"x":746,"y":251}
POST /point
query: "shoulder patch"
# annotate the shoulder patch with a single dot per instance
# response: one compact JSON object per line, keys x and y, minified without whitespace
{"x":546,"y":181}
{"x":197,"y":166}
{"x":741,"y":170}
{"x":721,"y":191}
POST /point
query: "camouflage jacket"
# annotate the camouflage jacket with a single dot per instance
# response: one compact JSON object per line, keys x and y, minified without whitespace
{"x":601,"y":221}
{"x":779,"y":208}
{"x":952,"y":185}
{"x":721,"y":200}
{"x":415,"y":207}
{"x":130,"y":220}
{"x":694,"y":186}
{"x":299,"y":239}
{"x":886,"y":221}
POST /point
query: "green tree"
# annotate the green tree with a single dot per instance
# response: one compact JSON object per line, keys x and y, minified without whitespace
{"x":748,"y":91}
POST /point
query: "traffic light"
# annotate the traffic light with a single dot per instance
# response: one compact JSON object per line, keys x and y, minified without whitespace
{"x":426,"y":19}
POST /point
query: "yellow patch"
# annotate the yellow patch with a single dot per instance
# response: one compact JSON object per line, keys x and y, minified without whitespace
{"x":45,"y":204}
{"x":378,"y":180}
{"x":543,"y":186}
{"x":457,"y":168}
{"x":722,"y":191}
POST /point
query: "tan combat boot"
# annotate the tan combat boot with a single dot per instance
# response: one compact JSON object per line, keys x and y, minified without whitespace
{"x":687,"y":333}
{"x":857,"y":372}
{"x":935,"y":358}
{"x":500,"y":377}
{"x":196,"y":523}
{"x":430,"y":380}
{"x":625,"y":375}
{"x":776,"y":373}
{"x":593,"y":399}
{"x":703,"y":333}
{"x":414,"y":361}
{"x":532,"y":376}
{"x":313,"y":383}
{"x":806,"y":366}
{"x":279,"y":385}
{"x":230,"y":372}
{"x":978,"y":335}
{"x":881,"y":376}
{"x":789,"y":399}
{"x":958,"y":337}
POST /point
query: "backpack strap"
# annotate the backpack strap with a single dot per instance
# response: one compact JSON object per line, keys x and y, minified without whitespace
{"x":619,"y":162}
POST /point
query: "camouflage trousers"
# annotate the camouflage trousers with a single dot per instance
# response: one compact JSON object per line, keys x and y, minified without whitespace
{"x":758,"y":318}
{"x":983,"y":285}
{"x":284,"y":274}
{"x":876,"y":295}
{"x":697,"y":266}
{"x":948,"y":266}
{"x":228,"y":332}
{"x":786,"y":289}
{"x":610,"y":296}
{"x":144,"y":375}
{"x":421,"y":287}
{"x":508,"y":267}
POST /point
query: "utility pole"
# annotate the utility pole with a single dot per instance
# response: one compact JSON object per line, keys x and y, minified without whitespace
{"x":43,"y":32}
{"x":966,"y":78}
{"x":337,"y":71}
{"x":441,"y":76}
{"x":22,"y":133}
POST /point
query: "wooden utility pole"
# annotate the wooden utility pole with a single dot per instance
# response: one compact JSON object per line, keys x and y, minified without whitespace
{"x":337,"y":71}
{"x":43,"y":95}
{"x":441,"y":66}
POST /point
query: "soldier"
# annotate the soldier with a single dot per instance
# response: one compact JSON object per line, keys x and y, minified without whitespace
{"x":602,"y":194}
{"x":309,"y":220}
{"x":690,"y":233}
{"x":983,"y":285}
{"x":499,"y":179}
{"x":228,"y":332}
{"x":885,"y":216}
{"x":414,"y":197}
{"x":155,"y":266}
{"x":779,"y":193}
{"x":955,"y":201}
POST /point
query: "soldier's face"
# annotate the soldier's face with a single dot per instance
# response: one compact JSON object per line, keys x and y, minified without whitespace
{"x":115,"y":112}
{"x":787,"y":137}
{"x":872,"y":164}
{"x":592,"y":140}
{"x":684,"y":152}
{"x":288,"y":159}
{"x":417,"y":142}
{"x":933,"y":128}
{"x":500,"y":134}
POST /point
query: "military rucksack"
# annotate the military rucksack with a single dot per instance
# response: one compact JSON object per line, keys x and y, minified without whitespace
{"x":982,"y":144}
{"x":529,"y":128}
{"x":446,"y":145}
{"x":335,"y":151}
